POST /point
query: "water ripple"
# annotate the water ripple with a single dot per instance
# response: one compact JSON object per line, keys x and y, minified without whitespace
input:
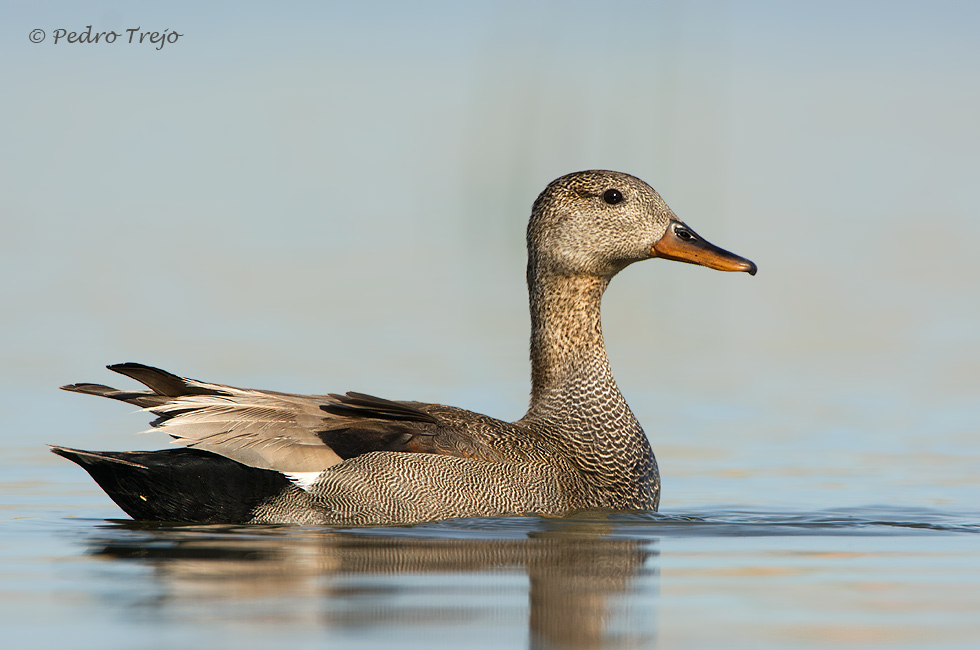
{"x":714,"y":522}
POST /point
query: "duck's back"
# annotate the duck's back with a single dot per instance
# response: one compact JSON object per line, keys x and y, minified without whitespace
{"x":381,"y":461}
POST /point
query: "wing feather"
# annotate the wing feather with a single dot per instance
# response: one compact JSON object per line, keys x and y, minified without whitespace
{"x":267,"y":429}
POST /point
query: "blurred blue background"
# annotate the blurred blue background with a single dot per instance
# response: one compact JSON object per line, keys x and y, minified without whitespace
{"x":321,"y":197}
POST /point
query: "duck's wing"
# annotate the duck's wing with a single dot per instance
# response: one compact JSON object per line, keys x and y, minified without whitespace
{"x":282,"y":431}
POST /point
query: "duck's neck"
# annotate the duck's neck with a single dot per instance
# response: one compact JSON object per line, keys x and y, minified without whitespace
{"x":569,"y":366}
{"x":574,"y":399}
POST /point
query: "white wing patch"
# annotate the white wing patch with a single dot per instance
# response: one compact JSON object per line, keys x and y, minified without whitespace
{"x":304,"y":480}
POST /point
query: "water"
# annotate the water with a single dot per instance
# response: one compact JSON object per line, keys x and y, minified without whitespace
{"x":337,"y":201}
{"x":850,"y":577}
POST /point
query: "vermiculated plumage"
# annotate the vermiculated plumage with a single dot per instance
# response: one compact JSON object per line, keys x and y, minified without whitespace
{"x":369,"y":460}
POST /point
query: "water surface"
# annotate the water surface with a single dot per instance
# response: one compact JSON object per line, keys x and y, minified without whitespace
{"x":851,"y":577}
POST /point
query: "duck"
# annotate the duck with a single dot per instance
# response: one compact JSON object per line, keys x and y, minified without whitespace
{"x":246,"y":456}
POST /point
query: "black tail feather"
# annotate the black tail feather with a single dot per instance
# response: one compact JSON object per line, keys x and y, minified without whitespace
{"x":179,"y":485}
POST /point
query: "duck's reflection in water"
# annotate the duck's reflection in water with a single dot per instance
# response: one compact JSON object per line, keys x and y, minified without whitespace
{"x":574,"y":584}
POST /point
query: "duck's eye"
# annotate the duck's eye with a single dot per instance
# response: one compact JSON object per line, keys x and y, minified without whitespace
{"x":685,"y":234}
{"x":612,"y":196}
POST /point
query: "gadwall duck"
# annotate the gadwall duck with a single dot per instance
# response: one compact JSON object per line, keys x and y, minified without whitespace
{"x":255,"y":456}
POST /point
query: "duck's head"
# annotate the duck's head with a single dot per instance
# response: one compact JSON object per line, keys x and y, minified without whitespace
{"x":599,"y":222}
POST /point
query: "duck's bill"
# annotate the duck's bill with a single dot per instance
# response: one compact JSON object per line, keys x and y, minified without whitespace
{"x":682,"y":244}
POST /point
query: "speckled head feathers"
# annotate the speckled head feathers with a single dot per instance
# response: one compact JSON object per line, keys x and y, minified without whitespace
{"x":595,"y":222}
